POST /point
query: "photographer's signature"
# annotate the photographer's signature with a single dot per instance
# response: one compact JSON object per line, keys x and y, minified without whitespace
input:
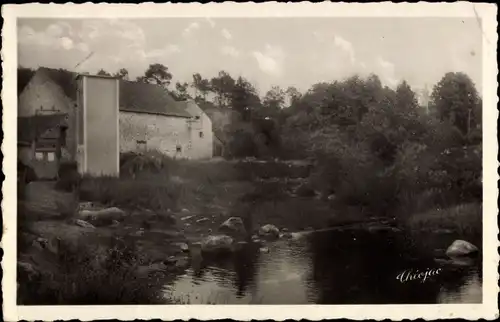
{"x":415,"y":275}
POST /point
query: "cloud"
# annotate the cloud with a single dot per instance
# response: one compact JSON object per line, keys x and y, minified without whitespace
{"x":210,"y":22}
{"x":163,"y":52}
{"x":190,"y":29}
{"x":114,"y":43}
{"x":230,"y":51}
{"x":53,"y":36}
{"x":270,"y":60}
{"x":345,"y":46}
{"x":66,"y":43}
{"x":387,"y":71}
{"x":226,"y":34}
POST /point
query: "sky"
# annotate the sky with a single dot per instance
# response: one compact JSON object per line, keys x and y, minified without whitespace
{"x":267,"y":51}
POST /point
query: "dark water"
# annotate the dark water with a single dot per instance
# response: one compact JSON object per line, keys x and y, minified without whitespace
{"x":348,"y":267}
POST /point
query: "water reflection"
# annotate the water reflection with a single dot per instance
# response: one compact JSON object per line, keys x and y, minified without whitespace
{"x":349,"y":267}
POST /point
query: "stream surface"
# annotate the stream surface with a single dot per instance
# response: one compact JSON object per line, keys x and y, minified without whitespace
{"x":330,"y":267}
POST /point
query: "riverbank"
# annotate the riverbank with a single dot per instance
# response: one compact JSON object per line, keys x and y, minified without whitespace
{"x":154,"y":218}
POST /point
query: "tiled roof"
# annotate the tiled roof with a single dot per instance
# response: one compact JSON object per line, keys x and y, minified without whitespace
{"x":134,"y":96}
{"x":149,"y":98}
{"x":33,"y":127}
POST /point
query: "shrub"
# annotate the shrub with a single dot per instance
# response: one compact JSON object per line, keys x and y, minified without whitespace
{"x":68,"y":176}
{"x":90,"y":275}
{"x":151,"y":161}
{"x":152,"y":192}
{"x":465,"y":219}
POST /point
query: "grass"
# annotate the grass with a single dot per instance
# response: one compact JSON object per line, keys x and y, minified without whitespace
{"x":465,"y":219}
{"x":88,"y":274}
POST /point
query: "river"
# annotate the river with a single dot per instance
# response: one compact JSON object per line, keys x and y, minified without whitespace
{"x":332,"y":267}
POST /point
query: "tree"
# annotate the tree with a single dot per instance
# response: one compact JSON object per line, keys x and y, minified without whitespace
{"x":274,"y":99}
{"x":406,"y":99}
{"x":293,"y":95}
{"x":222,"y":85}
{"x":181,"y":91}
{"x":454,"y":98}
{"x":200,"y":85}
{"x":102,"y":72}
{"x":156,"y":74}
{"x":122,"y":73}
{"x":244,"y":98}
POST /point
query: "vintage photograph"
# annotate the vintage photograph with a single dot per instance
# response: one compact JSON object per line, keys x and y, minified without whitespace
{"x":249,"y":160}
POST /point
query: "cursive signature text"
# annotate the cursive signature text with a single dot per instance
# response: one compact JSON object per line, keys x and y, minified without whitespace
{"x":413,"y":275}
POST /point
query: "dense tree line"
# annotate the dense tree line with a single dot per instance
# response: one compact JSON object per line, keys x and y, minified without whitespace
{"x":361,"y":108}
{"x":375,"y":147}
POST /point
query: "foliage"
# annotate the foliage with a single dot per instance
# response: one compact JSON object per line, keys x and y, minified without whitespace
{"x":156,"y":74}
{"x":102,"y":72}
{"x":84,"y":274}
{"x":122,"y":73}
{"x":274,"y":100}
{"x":455,"y":99}
{"x":222,"y":86}
{"x":201,"y":85}
{"x":151,"y":161}
{"x":464,"y":219}
{"x":181,"y":91}
{"x":68,"y":176}
{"x":377,"y":151}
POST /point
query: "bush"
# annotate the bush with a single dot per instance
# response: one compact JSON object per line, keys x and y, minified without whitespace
{"x":89,"y":275}
{"x":151,"y":161}
{"x":465,"y":219}
{"x":68,"y":176}
{"x":153,"y":192}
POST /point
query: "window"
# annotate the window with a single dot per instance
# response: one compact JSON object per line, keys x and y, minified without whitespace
{"x":201,"y":134}
{"x":39,"y":156}
{"x":178,"y":148}
{"x":50,"y":156}
{"x":197,"y":117}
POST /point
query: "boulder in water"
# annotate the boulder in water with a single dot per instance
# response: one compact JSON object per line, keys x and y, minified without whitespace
{"x":461,"y":248}
{"x":269,"y":231}
{"x":233,"y":225}
{"x":217,"y":244}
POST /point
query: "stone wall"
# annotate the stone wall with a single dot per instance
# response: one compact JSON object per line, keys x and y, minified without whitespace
{"x":140,"y":131}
